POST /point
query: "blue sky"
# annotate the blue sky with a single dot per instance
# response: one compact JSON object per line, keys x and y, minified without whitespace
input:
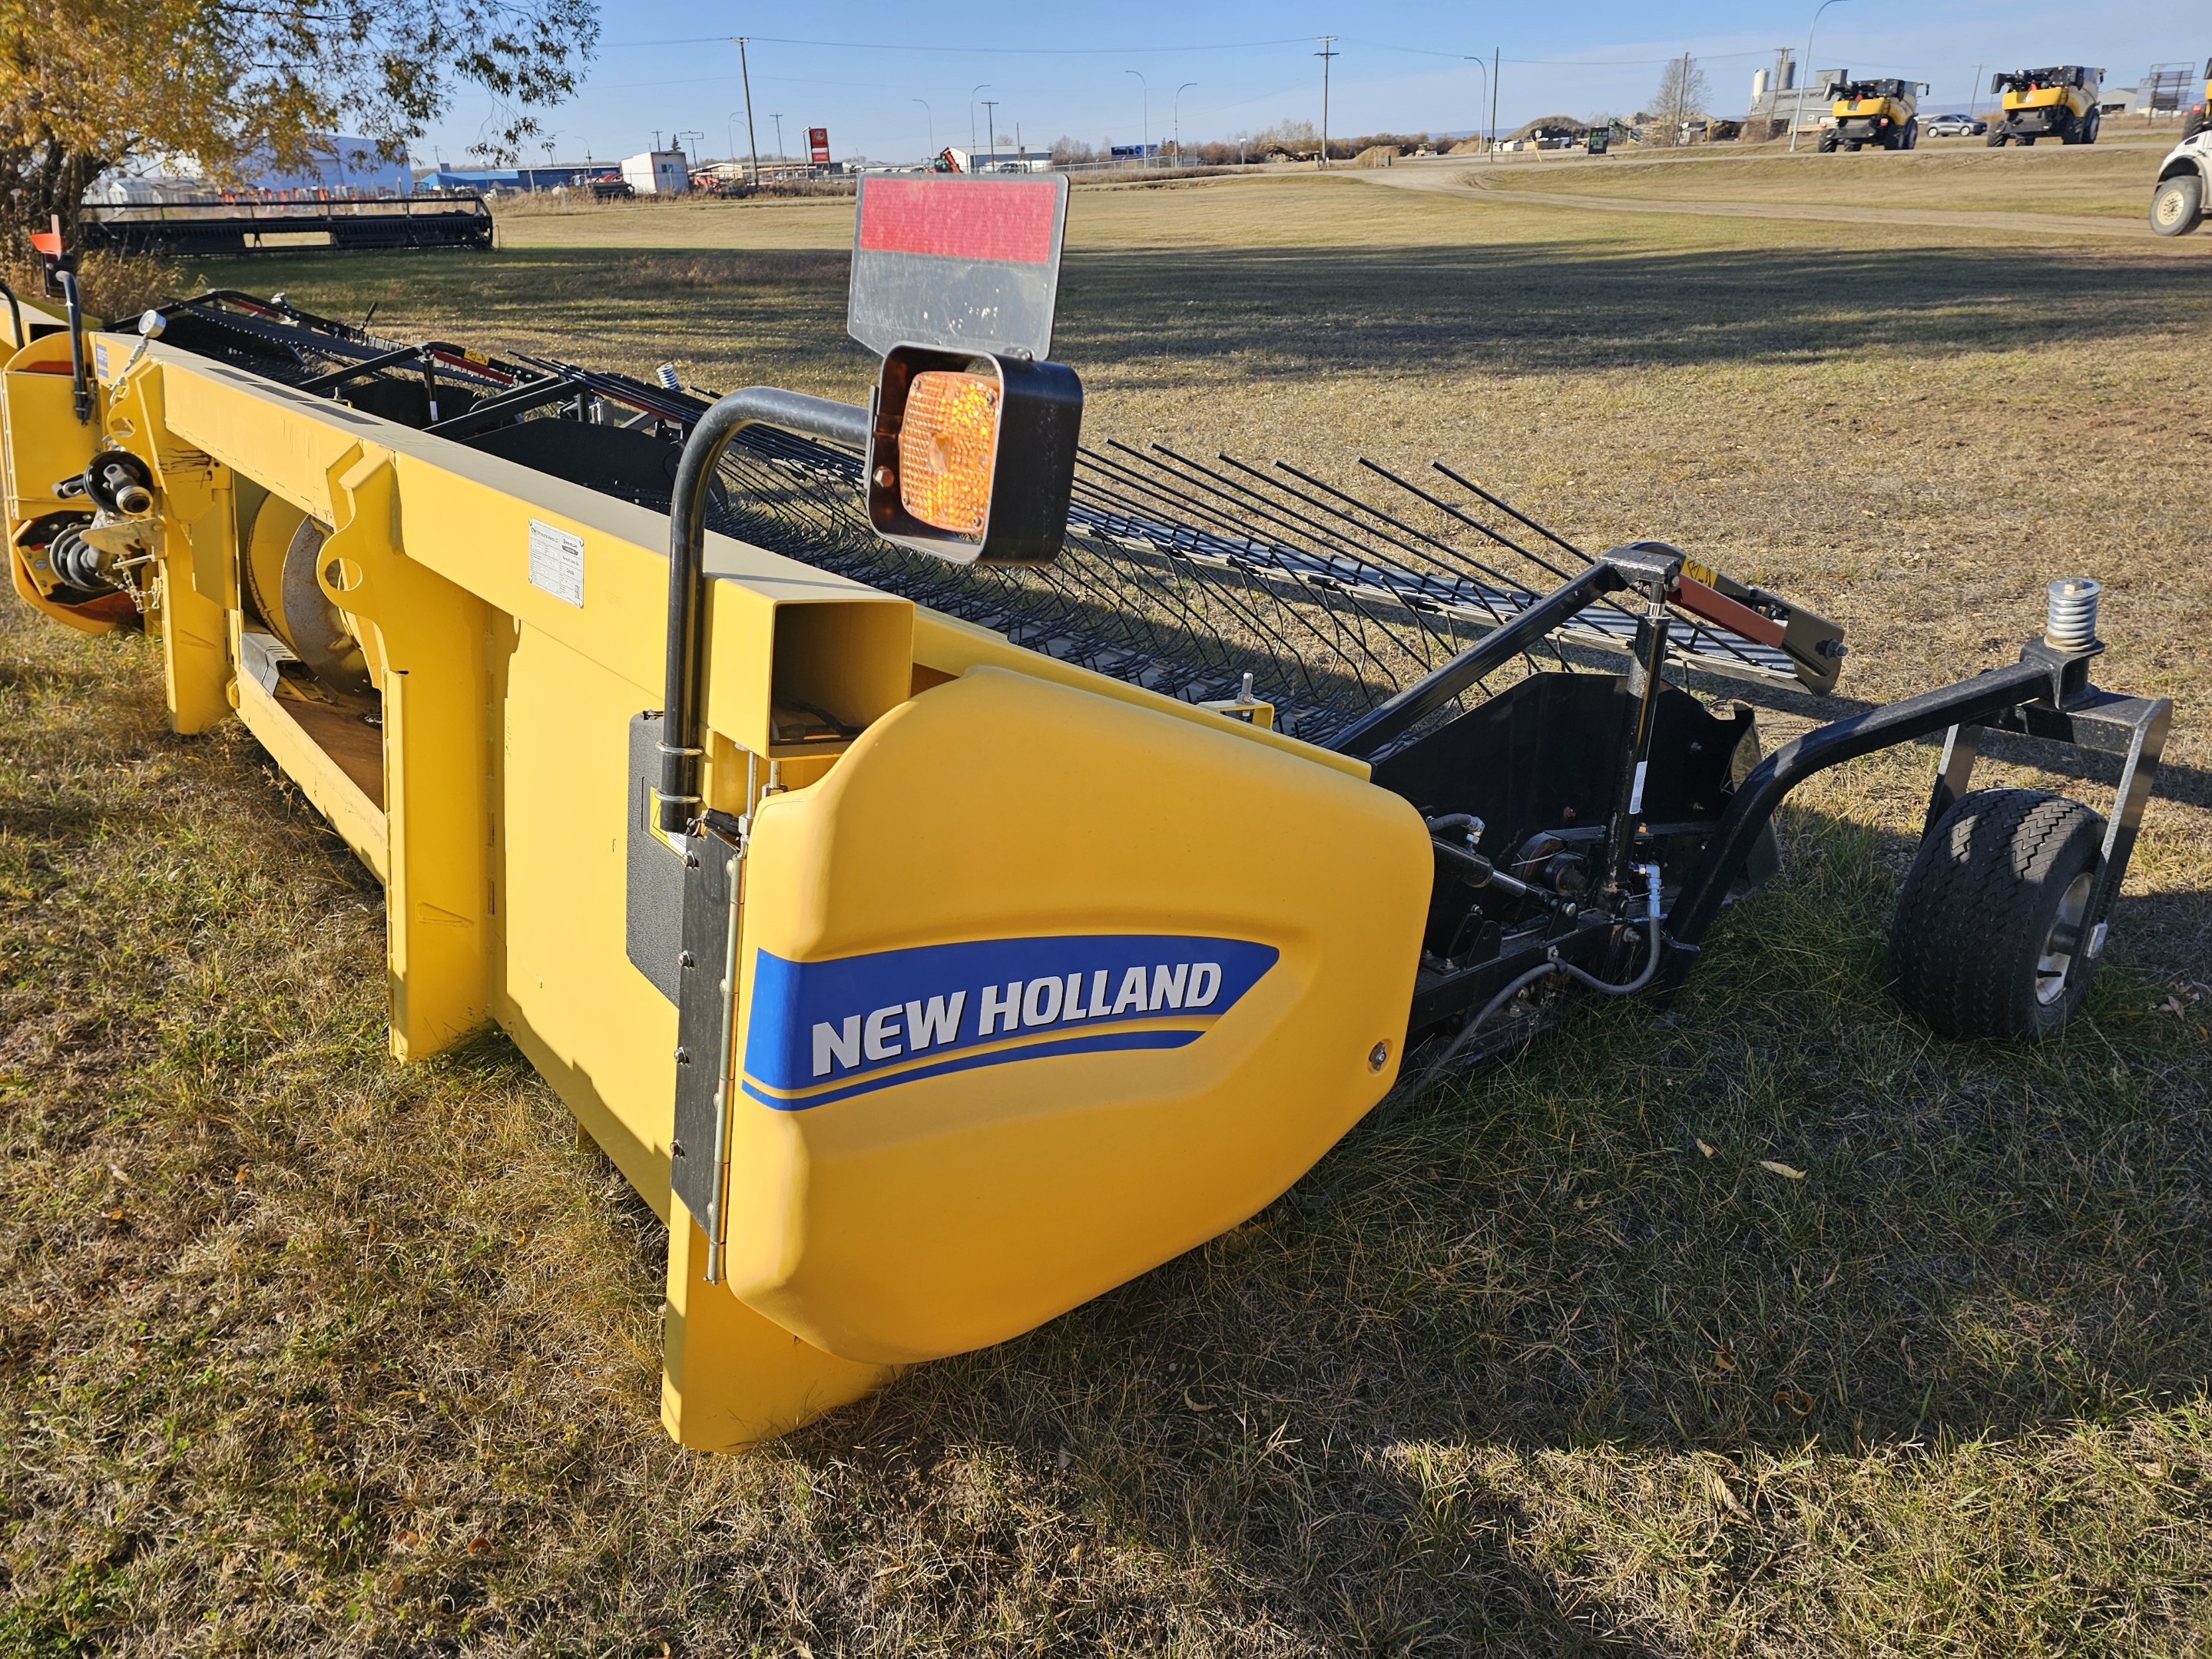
{"x":858,"y":69}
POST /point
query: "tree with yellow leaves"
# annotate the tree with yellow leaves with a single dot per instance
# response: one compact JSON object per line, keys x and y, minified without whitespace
{"x":86,"y":84}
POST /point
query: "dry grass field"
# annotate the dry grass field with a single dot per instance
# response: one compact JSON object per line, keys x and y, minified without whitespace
{"x":1764,"y":1323}
{"x":2110,"y":180}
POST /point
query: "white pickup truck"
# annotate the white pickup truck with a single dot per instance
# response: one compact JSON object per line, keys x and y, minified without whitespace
{"x":2184,"y":182}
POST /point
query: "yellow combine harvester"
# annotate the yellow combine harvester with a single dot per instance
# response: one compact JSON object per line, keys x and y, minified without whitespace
{"x":1883,"y":111}
{"x":948,"y":869}
{"x":2060,"y":102}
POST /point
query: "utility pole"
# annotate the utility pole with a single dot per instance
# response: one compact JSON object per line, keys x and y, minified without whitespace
{"x":1974,"y":90}
{"x":1328,"y":51}
{"x":776,"y":116}
{"x":991,"y":128}
{"x":1145,"y":124}
{"x":1495,"y":60}
{"x":752,"y":144}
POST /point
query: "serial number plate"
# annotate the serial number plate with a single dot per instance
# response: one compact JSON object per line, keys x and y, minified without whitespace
{"x":556,"y":562}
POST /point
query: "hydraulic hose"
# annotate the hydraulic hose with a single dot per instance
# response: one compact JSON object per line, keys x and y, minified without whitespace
{"x":1552,"y":965}
{"x":755,"y":406}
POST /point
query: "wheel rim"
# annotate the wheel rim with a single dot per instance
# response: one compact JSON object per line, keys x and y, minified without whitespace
{"x":2169,"y":206}
{"x":2056,"y":966}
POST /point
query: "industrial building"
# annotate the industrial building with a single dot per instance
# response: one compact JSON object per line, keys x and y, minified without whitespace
{"x":1777,"y":97}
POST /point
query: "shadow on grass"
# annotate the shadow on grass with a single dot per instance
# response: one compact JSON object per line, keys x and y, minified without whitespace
{"x":1519,"y":308}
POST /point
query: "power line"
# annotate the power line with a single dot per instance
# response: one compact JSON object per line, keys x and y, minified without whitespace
{"x":996,"y":52}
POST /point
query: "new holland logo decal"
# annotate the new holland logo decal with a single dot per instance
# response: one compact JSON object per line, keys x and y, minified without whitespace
{"x":827,"y":1030}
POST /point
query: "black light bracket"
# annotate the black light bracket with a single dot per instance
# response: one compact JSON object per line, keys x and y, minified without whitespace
{"x":1032,"y":468}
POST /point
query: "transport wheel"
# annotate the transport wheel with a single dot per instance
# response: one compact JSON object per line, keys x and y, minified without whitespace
{"x":1998,"y":136}
{"x":2027,"y":141}
{"x":1991,"y":937}
{"x":2176,"y":206}
{"x":1913,"y":133}
{"x":1827,"y":143}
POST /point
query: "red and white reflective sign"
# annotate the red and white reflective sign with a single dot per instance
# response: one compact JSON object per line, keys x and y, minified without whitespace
{"x":818,"y":145}
{"x":958,"y":263}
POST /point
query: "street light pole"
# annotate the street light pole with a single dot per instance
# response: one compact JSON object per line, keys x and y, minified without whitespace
{"x":1974,"y":91}
{"x":1485,"y":68}
{"x":1145,"y":124}
{"x":1328,"y":51}
{"x":776,"y":116}
{"x":1180,"y":90}
{"x":1798,"y":120}
{"x":929,"y":115}
{"x":752,"y":144}
{"x":983,"y":86}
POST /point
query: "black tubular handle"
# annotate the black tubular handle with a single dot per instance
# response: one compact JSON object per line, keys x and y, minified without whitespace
{"x":14,"y":315}
{"x":81,"y":393}
{"x":755,"y":406}
{"x":1759,"y":794}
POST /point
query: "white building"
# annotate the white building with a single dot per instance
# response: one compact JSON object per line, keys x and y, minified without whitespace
{"x":657,"y":173}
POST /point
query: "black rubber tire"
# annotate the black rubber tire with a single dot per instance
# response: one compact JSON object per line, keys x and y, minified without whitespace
{"x":1998,"y":136}
{"x":2176,"y":206}
{"x":1972,"y":944}
{"x":1910,"y":138}
{"x":2095,"y":122}
{"x":2026,"y":140}
{"x":1827,"y":143}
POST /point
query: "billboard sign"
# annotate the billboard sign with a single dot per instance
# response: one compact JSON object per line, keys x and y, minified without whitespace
{"x":817,"y":146}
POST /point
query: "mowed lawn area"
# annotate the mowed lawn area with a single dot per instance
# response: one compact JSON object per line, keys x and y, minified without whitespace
{"x":1759,"y":1323}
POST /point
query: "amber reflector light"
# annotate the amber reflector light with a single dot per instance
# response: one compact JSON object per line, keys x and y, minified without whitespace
{"x":948,"y":440}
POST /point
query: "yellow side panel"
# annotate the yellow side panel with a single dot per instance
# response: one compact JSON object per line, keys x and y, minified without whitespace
{"x":922,"y":1193}
{"x":44,"y":440}
{"x":565,"y":984}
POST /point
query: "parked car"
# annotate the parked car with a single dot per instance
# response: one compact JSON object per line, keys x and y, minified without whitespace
{"x":1954,"y":126}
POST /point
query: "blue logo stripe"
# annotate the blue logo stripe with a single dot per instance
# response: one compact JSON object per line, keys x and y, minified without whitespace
{"x":817,"y":1031}
{"x":1097,"y":1042}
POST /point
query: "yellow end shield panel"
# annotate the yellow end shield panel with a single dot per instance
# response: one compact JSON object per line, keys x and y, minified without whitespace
{"x":1042,"y":989}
